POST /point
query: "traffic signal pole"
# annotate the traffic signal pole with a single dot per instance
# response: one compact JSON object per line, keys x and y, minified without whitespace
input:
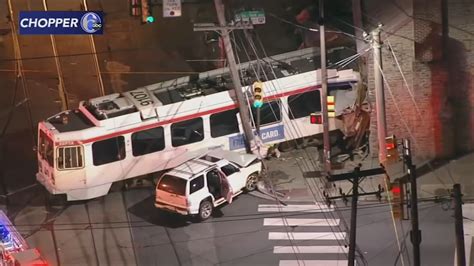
{"x":352,"y":237}
{"x":324,"y":92}
{"x":460,"y":249}
{"x":415,"y":233}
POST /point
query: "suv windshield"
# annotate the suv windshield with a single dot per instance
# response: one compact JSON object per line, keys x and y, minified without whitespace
{"x":173,"y":184}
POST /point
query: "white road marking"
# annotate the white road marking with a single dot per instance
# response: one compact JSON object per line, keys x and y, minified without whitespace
{"x":306,"y":236}
{"x":313,"y":262}
{"x":294,"y":208}
{"x":309,"y":249}
{"x":299,"y":222}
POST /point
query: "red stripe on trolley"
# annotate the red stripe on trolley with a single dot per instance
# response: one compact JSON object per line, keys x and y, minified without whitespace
{"x":182,"y":118}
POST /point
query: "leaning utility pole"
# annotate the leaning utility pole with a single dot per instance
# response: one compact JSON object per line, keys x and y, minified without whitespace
{"x":324,"y":91}
{"x":460,"y":249}
{"x":379,"y":93}
{"x":415,"y":233}
{"x":224,"y":31}
{"x":355,"y":177}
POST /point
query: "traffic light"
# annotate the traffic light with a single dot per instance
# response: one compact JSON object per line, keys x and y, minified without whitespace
{"x":392,"y":149}
{"x":315,"y":118}
{"x":147,"y":16}
{"x":397,"y":199}
{"x":257,"y":94}
{"x":331,"y":106}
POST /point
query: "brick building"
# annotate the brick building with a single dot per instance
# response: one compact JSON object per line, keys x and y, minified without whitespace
{"x":433,"y":43}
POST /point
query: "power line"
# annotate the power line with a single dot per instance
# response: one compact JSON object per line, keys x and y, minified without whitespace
{"x":313,"y":29}
{"x":309,"y":157}
{"x":395,"y":4}
{"x":113,"y":72}
{"x":402,"y":118}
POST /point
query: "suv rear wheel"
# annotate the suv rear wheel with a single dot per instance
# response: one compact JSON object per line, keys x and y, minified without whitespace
{"x":205,"y":210}
{"x":251,"y":183}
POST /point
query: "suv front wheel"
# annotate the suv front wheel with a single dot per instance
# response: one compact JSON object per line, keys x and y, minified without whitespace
{"x":251,"y":183}
{"x":205,"y":210}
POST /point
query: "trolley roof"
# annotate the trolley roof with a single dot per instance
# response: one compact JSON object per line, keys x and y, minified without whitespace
{"x":142,"y":103}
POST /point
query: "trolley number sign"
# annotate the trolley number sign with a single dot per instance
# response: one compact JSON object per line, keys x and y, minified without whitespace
{"x":171,"y":8}
{"x":140,"y":97}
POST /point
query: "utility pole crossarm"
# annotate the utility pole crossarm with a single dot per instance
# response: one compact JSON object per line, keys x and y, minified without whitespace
{"x":361,"y":173}
{"x":355,"y":178}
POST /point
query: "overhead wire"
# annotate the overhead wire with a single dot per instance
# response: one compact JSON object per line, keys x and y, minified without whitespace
{"x":394,"y":226}
{"x":430,"y":202}
{"x":395,"y":4}
{"x":410,"y":92}
{"x":278,"y":203}
{"x":407,"y":128}
{"x":313,"y":29}
{"x":297,"y":131}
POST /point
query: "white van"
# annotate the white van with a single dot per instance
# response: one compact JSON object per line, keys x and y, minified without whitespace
{"x":197,"y":186}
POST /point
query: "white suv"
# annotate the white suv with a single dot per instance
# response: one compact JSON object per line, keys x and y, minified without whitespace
{"x":197,"y":186}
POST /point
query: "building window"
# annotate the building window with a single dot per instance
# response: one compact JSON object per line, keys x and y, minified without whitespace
{"x":70,"y":158}
{"x":304,"y":104}
{"x":187,"y":132}
{"x":196,"y":184}
{"x":108,"y":151}
{"x":148,"y":141}
{"x":224,"y":123}
{"x":269,"y":113}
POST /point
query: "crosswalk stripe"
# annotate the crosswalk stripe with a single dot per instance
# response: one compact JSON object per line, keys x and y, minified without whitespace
{"x":313,"y":262}
{"x":299,"y":222}
{"x":294,"y":208}
{"x":309,"y":249}
{"x":306,"y":236}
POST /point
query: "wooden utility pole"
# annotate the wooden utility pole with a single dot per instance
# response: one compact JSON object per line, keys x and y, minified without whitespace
{"x":415,"y":233}
{"x":379,"y":94}
{"x":324,"y":91}
{"x":224,"y":31}
{"x":460,"y":249}
{"x":355,"y":177}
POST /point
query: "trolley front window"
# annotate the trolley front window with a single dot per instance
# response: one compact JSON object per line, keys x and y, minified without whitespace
{"x":70,"y":157}
{"x":46,"y":148}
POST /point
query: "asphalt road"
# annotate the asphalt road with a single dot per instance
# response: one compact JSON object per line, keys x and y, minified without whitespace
{"x":124,"y":228}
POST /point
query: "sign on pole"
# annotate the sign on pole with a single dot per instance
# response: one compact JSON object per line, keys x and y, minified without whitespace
{"x":254,"y":17}
{"x":171,"y":8}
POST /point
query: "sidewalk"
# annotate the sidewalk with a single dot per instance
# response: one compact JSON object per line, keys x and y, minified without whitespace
{"x":285,"y":174}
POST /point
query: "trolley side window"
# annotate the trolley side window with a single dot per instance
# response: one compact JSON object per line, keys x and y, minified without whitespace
{"x":269,"y":113}
{"x":304,"y":104}
{"x":224,"y":123}
{"x":46,"y":148}
{"x":187,"y":132}
{"x":70,"y":157}
{"x":108,"y":151}
{"x":148,"y":141}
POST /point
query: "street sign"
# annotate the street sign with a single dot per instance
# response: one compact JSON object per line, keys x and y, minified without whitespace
{"x":255,"y":17}
{"x":171,"y":8}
